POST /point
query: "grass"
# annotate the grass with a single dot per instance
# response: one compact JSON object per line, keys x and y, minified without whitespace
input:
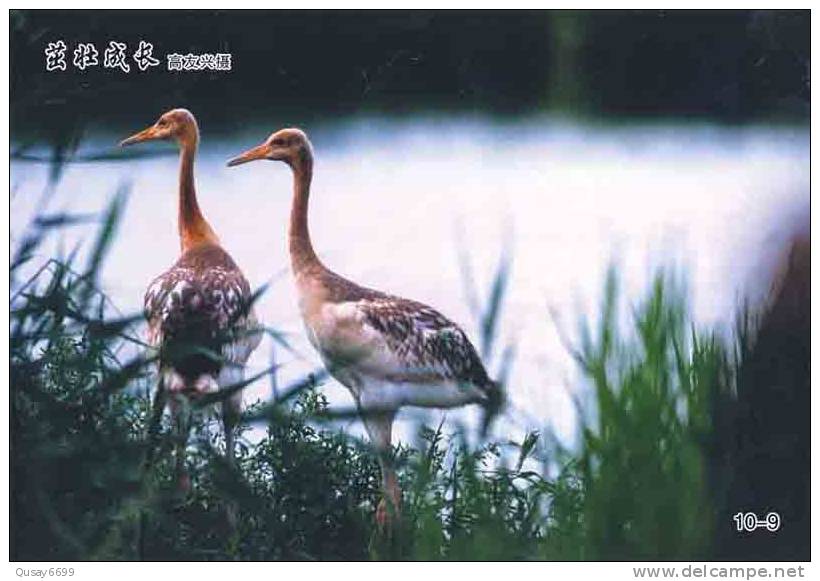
{"x":638,"y":486}
{"x":642,"y":464}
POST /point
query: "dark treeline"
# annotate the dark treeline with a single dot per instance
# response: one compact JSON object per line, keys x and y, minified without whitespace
{"x":724,"y":65}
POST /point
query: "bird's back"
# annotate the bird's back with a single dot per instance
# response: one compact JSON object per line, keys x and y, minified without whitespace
{"x":200,"y":307}
{"x":367,"y":335}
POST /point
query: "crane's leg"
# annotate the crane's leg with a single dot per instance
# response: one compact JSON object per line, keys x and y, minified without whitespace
{"x":231,"y":412}
{"x":155,"y":420}
{"x":152,"y":435}
{"x":388,"y":513}
{"x":379,"y":427}
{"x":231,"y":408}
{"x":182,"y":416}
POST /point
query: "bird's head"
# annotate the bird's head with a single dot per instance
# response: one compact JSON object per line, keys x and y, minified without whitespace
{"x":289,"y":145}
{"x":178,"y":124}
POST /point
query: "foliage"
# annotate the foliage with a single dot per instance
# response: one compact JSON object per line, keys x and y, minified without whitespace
{"x":642,"y":462}
{"x":91,"y":480}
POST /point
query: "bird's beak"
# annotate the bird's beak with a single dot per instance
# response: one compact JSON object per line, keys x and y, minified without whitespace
{"x":144,"y":135}
{"x":258,"y":152}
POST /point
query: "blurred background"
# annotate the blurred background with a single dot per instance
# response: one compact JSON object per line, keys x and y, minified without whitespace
{"x":716,"y":66}
{"x":451,"y":147}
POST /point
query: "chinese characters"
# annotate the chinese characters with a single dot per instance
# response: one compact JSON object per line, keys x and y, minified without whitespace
{"x":116,"y":56}
{"x":199,"y":62}
{"x":55,"y":56}
{"x":144,"y":56}
{"x":85,"y":55}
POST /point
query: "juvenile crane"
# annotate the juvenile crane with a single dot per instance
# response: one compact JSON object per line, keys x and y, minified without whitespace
{"x":388,"y":351}
{"x":199,"y":307}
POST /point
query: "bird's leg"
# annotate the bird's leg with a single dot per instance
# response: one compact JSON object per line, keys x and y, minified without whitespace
{"x":154,"y":421}
{"x":379,"y":427}
{"x":152,"y":435}
{"x":231,"y":409}
{"x":181,"y":413}
{"x":389,"y":510}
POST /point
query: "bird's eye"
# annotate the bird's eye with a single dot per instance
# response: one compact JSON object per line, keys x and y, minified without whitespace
{"x":279,"y":142}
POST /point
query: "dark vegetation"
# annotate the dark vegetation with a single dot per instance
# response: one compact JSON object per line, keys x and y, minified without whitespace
{"x":664,"y":446}
{"x":297,"y":66}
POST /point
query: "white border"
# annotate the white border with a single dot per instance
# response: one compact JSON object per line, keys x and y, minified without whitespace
{"x":341,"y":571}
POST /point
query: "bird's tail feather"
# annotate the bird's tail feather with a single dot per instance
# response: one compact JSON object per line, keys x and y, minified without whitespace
{"x":493,"y":404}
{"x":177,"y":383}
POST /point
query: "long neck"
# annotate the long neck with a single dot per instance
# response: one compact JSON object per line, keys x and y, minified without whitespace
{"x":302,"y":256}
{"x":193,"y":228}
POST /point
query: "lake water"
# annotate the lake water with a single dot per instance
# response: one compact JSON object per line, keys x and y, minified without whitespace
{"x":395,"y":202}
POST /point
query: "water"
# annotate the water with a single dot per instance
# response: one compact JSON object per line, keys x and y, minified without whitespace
{"x":394,"y":204}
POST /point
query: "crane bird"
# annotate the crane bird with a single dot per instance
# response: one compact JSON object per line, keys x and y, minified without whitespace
{"x":388,"y":351}
{"x":198,"y":311}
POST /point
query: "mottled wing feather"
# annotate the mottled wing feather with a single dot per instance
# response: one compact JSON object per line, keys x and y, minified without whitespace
{"x":406,"y":341}
{"x":202,"y":300}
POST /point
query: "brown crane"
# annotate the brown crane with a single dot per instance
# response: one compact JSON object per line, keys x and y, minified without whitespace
{"x":198,"y":311}
{"x":388,"y":351}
